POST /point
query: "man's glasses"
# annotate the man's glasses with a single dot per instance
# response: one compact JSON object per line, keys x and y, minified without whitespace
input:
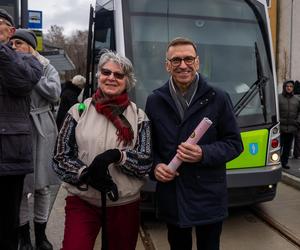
{"x":117,"y":75}
{"x":176,"y":61}
{"x":3,"y":21}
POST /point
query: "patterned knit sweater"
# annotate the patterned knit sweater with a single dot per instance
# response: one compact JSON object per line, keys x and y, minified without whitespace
{"x":81,"y":138}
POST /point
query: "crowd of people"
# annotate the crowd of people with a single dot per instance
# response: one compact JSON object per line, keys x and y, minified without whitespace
{"x":29,"y":87}
{"x":102,"y":148}
{"x":102,"y":152}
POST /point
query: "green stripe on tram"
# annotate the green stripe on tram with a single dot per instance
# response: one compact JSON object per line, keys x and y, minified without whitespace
{"x":255,"y":149}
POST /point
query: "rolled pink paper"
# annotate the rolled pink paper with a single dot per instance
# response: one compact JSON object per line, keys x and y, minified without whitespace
{"x":193,"y":139}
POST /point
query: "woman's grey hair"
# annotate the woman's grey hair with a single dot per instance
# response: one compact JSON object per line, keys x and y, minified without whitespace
{"x":124,"y":63}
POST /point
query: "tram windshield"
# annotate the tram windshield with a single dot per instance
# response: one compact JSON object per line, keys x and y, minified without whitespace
{"x":230,"y":36}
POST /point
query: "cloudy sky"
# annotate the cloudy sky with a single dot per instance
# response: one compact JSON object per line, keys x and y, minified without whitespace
{"x":70,"y":14}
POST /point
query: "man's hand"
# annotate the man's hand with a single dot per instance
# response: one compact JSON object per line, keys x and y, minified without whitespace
{"x":163,"y":173}
{"x":189,"y":152}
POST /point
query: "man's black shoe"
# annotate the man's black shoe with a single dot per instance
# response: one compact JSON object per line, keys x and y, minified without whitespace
{"x":41,"y":241}
{"x":286,"y":167}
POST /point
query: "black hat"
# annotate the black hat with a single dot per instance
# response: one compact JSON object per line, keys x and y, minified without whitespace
{"x":4,"y":14}
{"x":27,"y":36}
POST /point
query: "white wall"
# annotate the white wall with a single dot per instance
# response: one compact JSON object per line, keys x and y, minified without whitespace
{"x":288,"y":44}
{"x":295,"y":67}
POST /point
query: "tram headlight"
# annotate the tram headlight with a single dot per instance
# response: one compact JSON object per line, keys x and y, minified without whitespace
{"x":275,"y":130}
{"x":275,"y":157}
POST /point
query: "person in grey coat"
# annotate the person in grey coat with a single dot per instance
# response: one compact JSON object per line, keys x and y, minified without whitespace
{"x":45,"y":93}
{"x":289,"y":108}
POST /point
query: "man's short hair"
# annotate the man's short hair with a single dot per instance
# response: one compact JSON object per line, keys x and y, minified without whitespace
{"x":182,"y":41}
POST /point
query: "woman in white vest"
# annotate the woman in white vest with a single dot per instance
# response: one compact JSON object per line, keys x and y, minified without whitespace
{"x":104,"y":147}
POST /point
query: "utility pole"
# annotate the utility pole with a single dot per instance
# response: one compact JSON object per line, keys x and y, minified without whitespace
{"x":12,"y":7}
{"x":291,"y":37}
{"x":24,"y":13}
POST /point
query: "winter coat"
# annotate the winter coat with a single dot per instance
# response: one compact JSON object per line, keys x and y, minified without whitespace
{"x":69,"y":97}
{"x":199,"y":194}
{"x":45,"y":93}
{"x":82,"y":138}
{"x":289,"y":112}
{"x":18,"y":75}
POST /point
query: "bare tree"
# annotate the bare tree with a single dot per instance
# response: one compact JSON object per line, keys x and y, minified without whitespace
{"x":55,"y":36}
{"x":76,"y":48}
{"x":74,"y":45}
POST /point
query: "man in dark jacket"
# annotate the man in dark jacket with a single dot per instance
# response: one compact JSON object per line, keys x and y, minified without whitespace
{"x":18,"y":75}
{"x":196,"y":194}
{"x":289,"y":108}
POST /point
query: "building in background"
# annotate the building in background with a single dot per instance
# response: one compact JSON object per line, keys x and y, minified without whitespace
{"x":272,"y":5}
{"x":288,"y":41}
{"x":59,"y":59}
{"x":284,"y":22}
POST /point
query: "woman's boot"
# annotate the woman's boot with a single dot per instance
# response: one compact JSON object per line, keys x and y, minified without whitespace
{"x":41,"y":241}
{"x":24,"y":238}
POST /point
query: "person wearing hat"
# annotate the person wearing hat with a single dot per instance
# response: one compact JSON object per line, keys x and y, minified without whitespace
{"x":44,"y":94}
{"x":25,"y":41}
{"x":19,"y":73}
{"x":69,"y":97}
{"x":289,"y":112}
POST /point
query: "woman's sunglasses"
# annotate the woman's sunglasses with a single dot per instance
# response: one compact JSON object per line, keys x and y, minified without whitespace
{"x":117,"y":75}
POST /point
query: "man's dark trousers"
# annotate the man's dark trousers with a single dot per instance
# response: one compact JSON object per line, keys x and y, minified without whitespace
{"x":208,"y":237}
{"x":11,"y":188}
{"x":286,"y":140}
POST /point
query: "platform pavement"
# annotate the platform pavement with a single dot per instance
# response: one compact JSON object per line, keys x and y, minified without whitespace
{"x":292,"y":176}
{"x":55,"y":227}
{"x":286,"y":202}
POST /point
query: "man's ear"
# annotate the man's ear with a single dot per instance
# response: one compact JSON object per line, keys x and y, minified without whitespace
{"x":11,"y":32}
{"x":168,"y":66}
{"x":197,"y":63}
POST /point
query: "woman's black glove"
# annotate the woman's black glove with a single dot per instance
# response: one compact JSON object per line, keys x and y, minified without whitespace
{"x":104,"y":159}
{"x":97,"y":174}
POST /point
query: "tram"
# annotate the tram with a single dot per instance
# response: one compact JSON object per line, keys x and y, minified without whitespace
{"x":234,"y":44}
